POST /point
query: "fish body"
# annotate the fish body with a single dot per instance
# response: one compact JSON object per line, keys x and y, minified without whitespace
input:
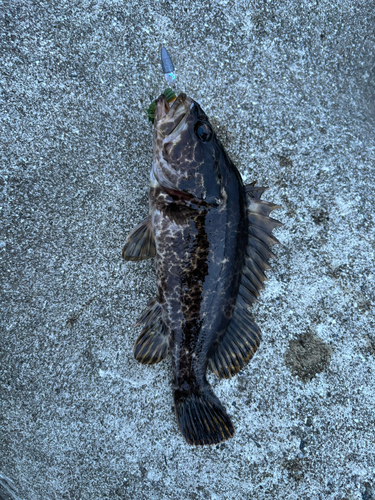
{"x":210,"y":262}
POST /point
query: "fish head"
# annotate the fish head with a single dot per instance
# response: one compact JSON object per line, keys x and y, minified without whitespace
{"x":187,"y":154}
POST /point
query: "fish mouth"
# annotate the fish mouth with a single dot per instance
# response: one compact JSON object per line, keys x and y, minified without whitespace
{"x":168,"y":117}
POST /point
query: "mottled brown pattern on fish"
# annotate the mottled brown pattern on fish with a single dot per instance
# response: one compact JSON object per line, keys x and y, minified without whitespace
{"x":210,"y":237}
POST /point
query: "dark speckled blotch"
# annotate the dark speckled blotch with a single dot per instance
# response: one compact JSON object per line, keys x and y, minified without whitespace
{"x":211,"y":238}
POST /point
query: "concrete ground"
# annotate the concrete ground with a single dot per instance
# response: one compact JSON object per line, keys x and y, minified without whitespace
{"x":289,"y":86}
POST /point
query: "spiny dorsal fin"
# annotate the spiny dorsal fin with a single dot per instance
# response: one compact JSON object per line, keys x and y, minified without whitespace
{"x":267,"y":224}
{"x":255,"y":191}
{"x":261,"y":207}
{"x":152,"y":344}
{"x":140,"y":243}
{"x":242,"y":337}
{"x":260,"y":239}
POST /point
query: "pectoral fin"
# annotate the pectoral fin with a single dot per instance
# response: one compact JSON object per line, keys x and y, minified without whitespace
{"x":140,"y":243}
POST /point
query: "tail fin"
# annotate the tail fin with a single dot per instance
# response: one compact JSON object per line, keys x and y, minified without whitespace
{"x":202,"y":418}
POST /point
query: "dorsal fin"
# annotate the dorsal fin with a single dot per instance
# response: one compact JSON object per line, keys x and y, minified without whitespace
{"x":140,"y":243}
{"x":255,"y":191}
{"x":242,"y":337}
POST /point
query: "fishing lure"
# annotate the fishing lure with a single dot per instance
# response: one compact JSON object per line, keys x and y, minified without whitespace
{"x":167,"y":66}
{"x":170,"y":76}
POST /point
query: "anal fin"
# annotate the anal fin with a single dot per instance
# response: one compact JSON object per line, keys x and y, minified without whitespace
{"x":140,"y":243}
{"x":153,"y":343}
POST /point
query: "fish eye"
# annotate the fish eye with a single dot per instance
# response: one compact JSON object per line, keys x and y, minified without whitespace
{"x":203,"y":131}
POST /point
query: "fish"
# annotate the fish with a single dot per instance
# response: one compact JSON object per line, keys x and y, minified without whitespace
{"x":211,"y":237}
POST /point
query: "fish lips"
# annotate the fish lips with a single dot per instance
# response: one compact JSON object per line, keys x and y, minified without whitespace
{"x":168,"y":117}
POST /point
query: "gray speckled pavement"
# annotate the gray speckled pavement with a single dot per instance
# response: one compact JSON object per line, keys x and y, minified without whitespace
{"x":289,"y":86}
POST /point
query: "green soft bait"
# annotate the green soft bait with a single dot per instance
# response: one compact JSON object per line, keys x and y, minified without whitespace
{"x":170,"y":96}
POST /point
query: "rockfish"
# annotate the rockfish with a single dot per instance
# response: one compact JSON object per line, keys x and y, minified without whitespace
{"x":211,"y":237}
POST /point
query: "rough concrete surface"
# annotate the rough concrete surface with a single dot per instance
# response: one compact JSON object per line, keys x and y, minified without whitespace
{"x":289,"y":86}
